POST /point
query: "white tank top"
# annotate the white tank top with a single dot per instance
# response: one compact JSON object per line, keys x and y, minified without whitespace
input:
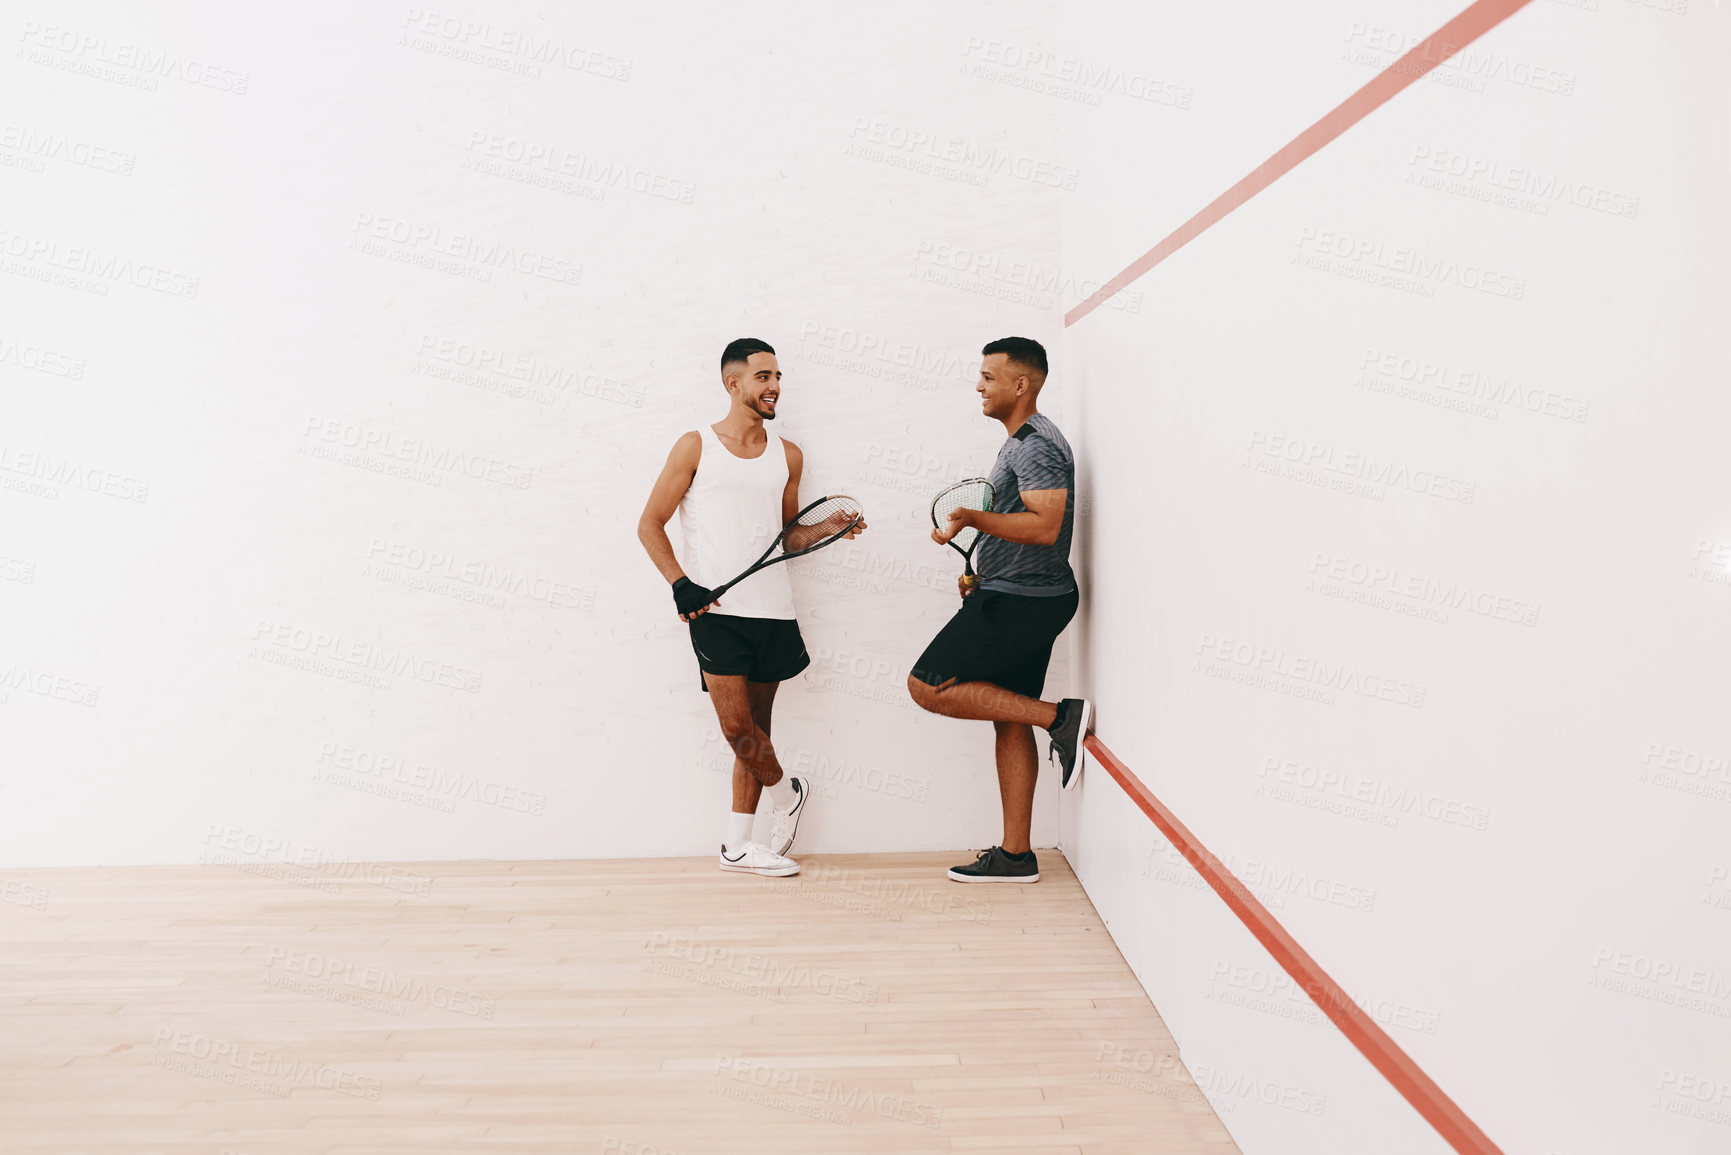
{"x":730,"y":513}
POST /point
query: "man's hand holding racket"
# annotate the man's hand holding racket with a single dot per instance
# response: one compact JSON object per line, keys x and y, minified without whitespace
{"x":959,"y":520}
{"x":953,"y":523}
{"x":824,"y":522}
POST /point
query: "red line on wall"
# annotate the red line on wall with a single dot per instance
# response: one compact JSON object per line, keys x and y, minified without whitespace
{"x":1359,"y":1028}
{"x":1436,"y":48}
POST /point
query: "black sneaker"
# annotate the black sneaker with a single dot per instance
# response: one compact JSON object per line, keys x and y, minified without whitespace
{"x":1075,"y":717}
{"x":995,"y":866}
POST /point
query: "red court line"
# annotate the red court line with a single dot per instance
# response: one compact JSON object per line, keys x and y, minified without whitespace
{"x":1359,"y":1028}
{"x":1475,"y":21}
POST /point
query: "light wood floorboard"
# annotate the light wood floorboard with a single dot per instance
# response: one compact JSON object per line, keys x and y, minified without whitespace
{"x":640,"y":1007}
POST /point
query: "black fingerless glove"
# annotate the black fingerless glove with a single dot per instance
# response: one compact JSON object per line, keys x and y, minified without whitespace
{"x":690,"y":597}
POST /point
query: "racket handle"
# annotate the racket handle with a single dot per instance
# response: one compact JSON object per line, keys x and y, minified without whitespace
{"x":970,"y":580}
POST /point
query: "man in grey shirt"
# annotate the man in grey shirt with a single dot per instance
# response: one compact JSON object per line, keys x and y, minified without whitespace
{"x":989,"y":662}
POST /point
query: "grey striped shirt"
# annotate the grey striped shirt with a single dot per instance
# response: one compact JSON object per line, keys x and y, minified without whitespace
{"x":1036,"y":457}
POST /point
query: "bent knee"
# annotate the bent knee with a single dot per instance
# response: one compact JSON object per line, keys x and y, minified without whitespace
{"x":737,"y":728}
{"x":923,"y":695}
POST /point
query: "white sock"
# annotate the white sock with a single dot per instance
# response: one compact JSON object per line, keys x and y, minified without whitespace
{"x":738,"y":831}
{"x":782,"y":795}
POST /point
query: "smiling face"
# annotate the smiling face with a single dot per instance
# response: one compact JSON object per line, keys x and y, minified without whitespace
{"x":1002,"y":383}
{"x":756,"y":382}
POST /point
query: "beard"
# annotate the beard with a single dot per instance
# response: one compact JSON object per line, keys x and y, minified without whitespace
{"x":767,"y":416}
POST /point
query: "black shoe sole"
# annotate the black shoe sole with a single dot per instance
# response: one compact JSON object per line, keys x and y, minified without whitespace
{"x":956,"y":876}
{"x":1081,"y":745}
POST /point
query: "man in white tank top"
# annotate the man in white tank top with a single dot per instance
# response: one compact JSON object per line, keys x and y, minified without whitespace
{"x":734,"y":485}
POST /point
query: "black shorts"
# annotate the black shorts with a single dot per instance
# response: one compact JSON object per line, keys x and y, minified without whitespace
{"x":1004,"y":639}
{"x":761,"y":649}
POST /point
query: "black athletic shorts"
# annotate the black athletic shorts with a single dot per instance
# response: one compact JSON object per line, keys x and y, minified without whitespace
{"x":762,"y":649}
{"x":1004,"y":639}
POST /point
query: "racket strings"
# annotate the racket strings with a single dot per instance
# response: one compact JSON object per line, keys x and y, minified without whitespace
{"x":835,"y":511}
{"x":820,"y":525}
{"x":967,"y":495}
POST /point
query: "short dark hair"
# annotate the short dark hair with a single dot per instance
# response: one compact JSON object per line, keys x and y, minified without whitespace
{"x":1023,"y":351}
{"x":740,"y":350}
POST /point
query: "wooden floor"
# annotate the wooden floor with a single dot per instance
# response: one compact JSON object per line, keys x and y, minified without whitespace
{"x":641,"y":1007}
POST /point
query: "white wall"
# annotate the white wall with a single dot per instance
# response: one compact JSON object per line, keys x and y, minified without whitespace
{"x":322,"y":203}
{"x":194,"y":309}
{"x":1565,"y":767}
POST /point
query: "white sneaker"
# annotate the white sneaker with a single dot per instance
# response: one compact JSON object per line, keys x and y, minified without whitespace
{"x":756,"y":858}
{"x":786,"y":822}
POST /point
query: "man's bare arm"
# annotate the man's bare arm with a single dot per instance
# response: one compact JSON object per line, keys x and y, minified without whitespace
{"x":663,"y":502}
{"x":801,"y":536}
{"x":1041,"y":524}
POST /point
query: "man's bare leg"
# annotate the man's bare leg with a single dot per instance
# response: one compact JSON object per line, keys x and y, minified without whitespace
{"x":747,"y":790}
{"x":982,"y":701}
{"x":732,"y":699}
{"x":1018,"y":768}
